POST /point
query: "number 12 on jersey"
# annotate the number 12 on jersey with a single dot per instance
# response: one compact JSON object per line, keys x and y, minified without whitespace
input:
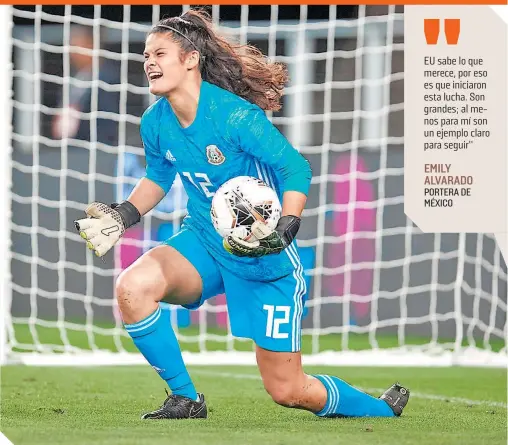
{"x":203,"y":181}
{"x":277,"y":315}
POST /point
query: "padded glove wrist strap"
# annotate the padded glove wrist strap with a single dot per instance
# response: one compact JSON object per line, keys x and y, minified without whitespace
{"x":288,"y":227}
{"x":128,"y":212}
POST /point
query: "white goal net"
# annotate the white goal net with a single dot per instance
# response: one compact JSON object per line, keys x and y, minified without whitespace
{"x":378,"y":287}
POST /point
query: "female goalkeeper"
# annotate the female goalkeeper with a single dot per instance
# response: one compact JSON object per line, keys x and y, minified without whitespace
{"x":209,"y":126}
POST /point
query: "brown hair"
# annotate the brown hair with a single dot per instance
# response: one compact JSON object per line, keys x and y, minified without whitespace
{"x":240,"y":69}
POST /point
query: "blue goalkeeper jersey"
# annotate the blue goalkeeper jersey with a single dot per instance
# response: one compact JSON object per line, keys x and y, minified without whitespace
{"x":229,"y":137}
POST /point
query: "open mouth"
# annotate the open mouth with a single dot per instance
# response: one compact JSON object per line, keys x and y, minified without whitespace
{"x":154,"y":76}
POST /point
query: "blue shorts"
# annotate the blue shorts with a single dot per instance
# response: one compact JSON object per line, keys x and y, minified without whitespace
{"x":269,"y":313}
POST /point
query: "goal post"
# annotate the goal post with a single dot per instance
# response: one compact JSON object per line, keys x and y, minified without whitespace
{"x":380,"y":291}
{"x":5,"y":188}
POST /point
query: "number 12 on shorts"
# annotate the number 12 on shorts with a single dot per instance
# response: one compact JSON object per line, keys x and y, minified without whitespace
{"x":277,"y":316}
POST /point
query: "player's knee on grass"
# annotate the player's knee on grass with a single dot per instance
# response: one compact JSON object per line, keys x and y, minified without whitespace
{"x":283,"y":377}
{"x":284,"y":393}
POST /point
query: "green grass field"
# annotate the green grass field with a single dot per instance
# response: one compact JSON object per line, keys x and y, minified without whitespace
{"x":452,"y":406}
{"x":331,"y":342}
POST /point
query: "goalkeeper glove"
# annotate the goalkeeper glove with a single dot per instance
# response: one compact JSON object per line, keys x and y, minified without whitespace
{"x":267,"y":241}
{"x":105,"y":225}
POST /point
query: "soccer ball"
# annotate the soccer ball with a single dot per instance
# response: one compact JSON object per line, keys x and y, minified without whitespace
{"x":241,"y":201}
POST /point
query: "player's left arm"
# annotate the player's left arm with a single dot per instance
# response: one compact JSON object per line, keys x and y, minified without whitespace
{"x":261,"y":139}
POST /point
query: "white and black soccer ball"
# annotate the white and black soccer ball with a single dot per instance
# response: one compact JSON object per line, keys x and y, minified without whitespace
{"x":241,"y":201}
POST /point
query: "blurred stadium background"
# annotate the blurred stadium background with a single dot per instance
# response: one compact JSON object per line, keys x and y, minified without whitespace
{"x":375,"y":280}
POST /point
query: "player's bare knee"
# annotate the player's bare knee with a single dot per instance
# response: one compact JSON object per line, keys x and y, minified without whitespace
{"x":134,"y":289}
{"x":125,"y":291}
{"x":283,"y":393}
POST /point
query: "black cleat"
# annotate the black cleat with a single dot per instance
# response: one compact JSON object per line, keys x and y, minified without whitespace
{"x":179,"y":407}
{"x":396,"y":397}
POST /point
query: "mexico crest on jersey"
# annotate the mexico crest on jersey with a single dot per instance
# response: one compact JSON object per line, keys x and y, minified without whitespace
{"x":214,"y":155}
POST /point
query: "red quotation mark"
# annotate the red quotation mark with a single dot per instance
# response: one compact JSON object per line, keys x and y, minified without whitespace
{"x":431,"y":28}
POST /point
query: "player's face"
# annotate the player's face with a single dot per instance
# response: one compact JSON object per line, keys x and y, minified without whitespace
{"x":164,"y":67}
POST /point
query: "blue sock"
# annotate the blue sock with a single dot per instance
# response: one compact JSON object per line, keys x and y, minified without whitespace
{"x":156,"y":340}
{"x":344,"y":400}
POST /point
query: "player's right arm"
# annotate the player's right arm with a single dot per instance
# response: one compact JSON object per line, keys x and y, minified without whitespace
{"x":105,"y":224}
{"x":146,"y":195}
